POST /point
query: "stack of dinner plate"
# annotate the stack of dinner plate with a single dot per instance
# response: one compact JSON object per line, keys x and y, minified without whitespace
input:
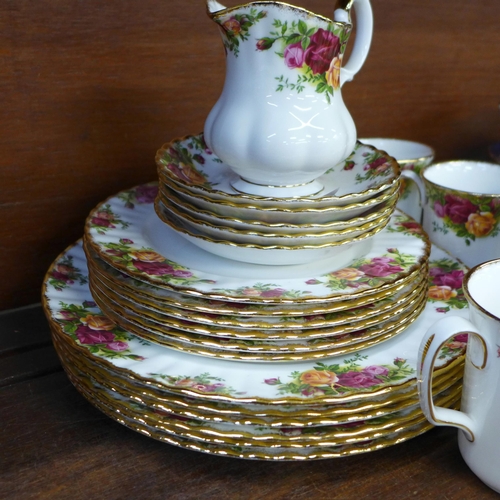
{"x":294,"y":410}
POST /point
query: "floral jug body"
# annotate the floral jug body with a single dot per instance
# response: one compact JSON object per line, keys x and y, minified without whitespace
{"x":280,"y":122}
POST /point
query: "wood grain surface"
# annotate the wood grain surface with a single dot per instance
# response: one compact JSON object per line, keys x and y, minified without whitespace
{"x":90,"y":90}
{"x":55,"y":446}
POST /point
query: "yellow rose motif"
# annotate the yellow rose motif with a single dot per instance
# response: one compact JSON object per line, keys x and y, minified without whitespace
{"x":147,"y":256}
{"x":333,"y":72}
{"x":480,"y":224}
{"x":191,"y":175}
{"x":348,"y":273}
{"x":441,"y":292}
{"x":98,"y":322}
{"x":317,"y":378}
{"x":232,"y":25}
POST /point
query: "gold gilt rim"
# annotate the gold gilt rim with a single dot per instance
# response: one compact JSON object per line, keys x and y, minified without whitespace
{"x":244,"y":438}
{"x":467,"y":293}
{"x":245,"y":413}
{"x":170,"y":195}
{"x":223,"y":398}
{"x":217,"y":397}
{"x":378,"y":293}
{"x":124,"y":297}
{"x":236,"y":344}
{"x":165,"y":324}
{"x":354,"y":316}
{"x":255,"y":198}
{"x":271,"y":246}
{"x":440,"y":187}
{"x":388,"y":193}
{"x":153,"y":383}
{"x":228,"y":10}
{"x":163,"y":203}
{"x":245,"y":453}
{"x":144,"y":295}
{"x":220,"y":352}
{"x":88,"y":241}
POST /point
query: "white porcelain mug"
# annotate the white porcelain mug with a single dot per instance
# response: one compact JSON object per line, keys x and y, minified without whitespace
{"x":412,"y":157}
{"x":479,"y":435}
{"x":462,"y":209}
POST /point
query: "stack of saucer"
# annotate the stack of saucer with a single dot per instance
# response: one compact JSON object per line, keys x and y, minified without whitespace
{"x":152,"y":282}
{"x":312,"y":409}
{"x":198,"y":200}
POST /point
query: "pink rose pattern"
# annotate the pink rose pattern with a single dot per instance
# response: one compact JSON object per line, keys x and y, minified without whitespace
{"x":65,"y":274}
{"x":79,"y":322}
{"x":166,"y":271}
{"x":351,"y":377}
{"x":310,"y":50}
{"x":468,"y":216}
{"x":143,"y":195}
{"x":104,"y":219}
{"x":367,"y":273}
{"x":445,"y":284}
{"x":203,"y":383}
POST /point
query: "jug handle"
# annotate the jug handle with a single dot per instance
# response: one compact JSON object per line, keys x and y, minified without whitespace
{"x":364,"y":31}
{"x":430,"y":348}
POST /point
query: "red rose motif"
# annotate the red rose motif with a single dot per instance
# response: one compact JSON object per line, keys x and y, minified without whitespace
{"x":453,"y":279}
{"x":357,"y":379}
{"x":98,"y":221}
{"x":376,"y":370}
{"x":90,"y":337}
{"x":294,"y":55}
{"x":323,"y":47}
{"x":462,"y":337}
{"x":146,"y":194}
{"x":380,"y":267}
{"x":375,"y":164}
{"x":118,"y":346}
{"x":153,"y":268}
{"x":458,"y":209}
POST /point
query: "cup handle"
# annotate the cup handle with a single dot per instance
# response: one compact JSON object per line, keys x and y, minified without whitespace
{"x":411,"y":175}
{"x":362,"y":42}
{"x":430,"y":347}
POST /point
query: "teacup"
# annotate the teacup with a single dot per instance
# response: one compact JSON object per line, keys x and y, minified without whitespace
{"x":412,"y":156}
{"x":462,"y":209}
{"x":479,"y":436}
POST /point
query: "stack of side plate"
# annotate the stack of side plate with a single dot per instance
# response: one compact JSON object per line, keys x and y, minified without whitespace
{"x":156,"y":285}
{"x":337,"y":406}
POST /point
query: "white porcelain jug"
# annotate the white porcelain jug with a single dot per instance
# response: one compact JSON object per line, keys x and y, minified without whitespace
{"x":280,"y":121}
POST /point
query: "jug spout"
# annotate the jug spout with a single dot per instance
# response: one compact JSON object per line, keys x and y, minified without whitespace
{"x":214,"y":6}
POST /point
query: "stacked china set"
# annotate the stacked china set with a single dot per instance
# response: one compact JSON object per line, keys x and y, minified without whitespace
{"x":269,"y":320}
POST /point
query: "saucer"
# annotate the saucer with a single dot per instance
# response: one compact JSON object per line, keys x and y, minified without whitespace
{"x":189,"y":164}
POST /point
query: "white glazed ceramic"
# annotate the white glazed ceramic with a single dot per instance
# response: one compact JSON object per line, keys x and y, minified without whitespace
{"x":387,"y":369}
{"x":462,"y":209}
{"x":127,"y":234}
{"x":479,"y":436}
{"x":171,"y":198}
{"x":172,"y":215}
{"x":188,"y":165}
{"x":280,"y":121}
{"x":412,"y":156}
